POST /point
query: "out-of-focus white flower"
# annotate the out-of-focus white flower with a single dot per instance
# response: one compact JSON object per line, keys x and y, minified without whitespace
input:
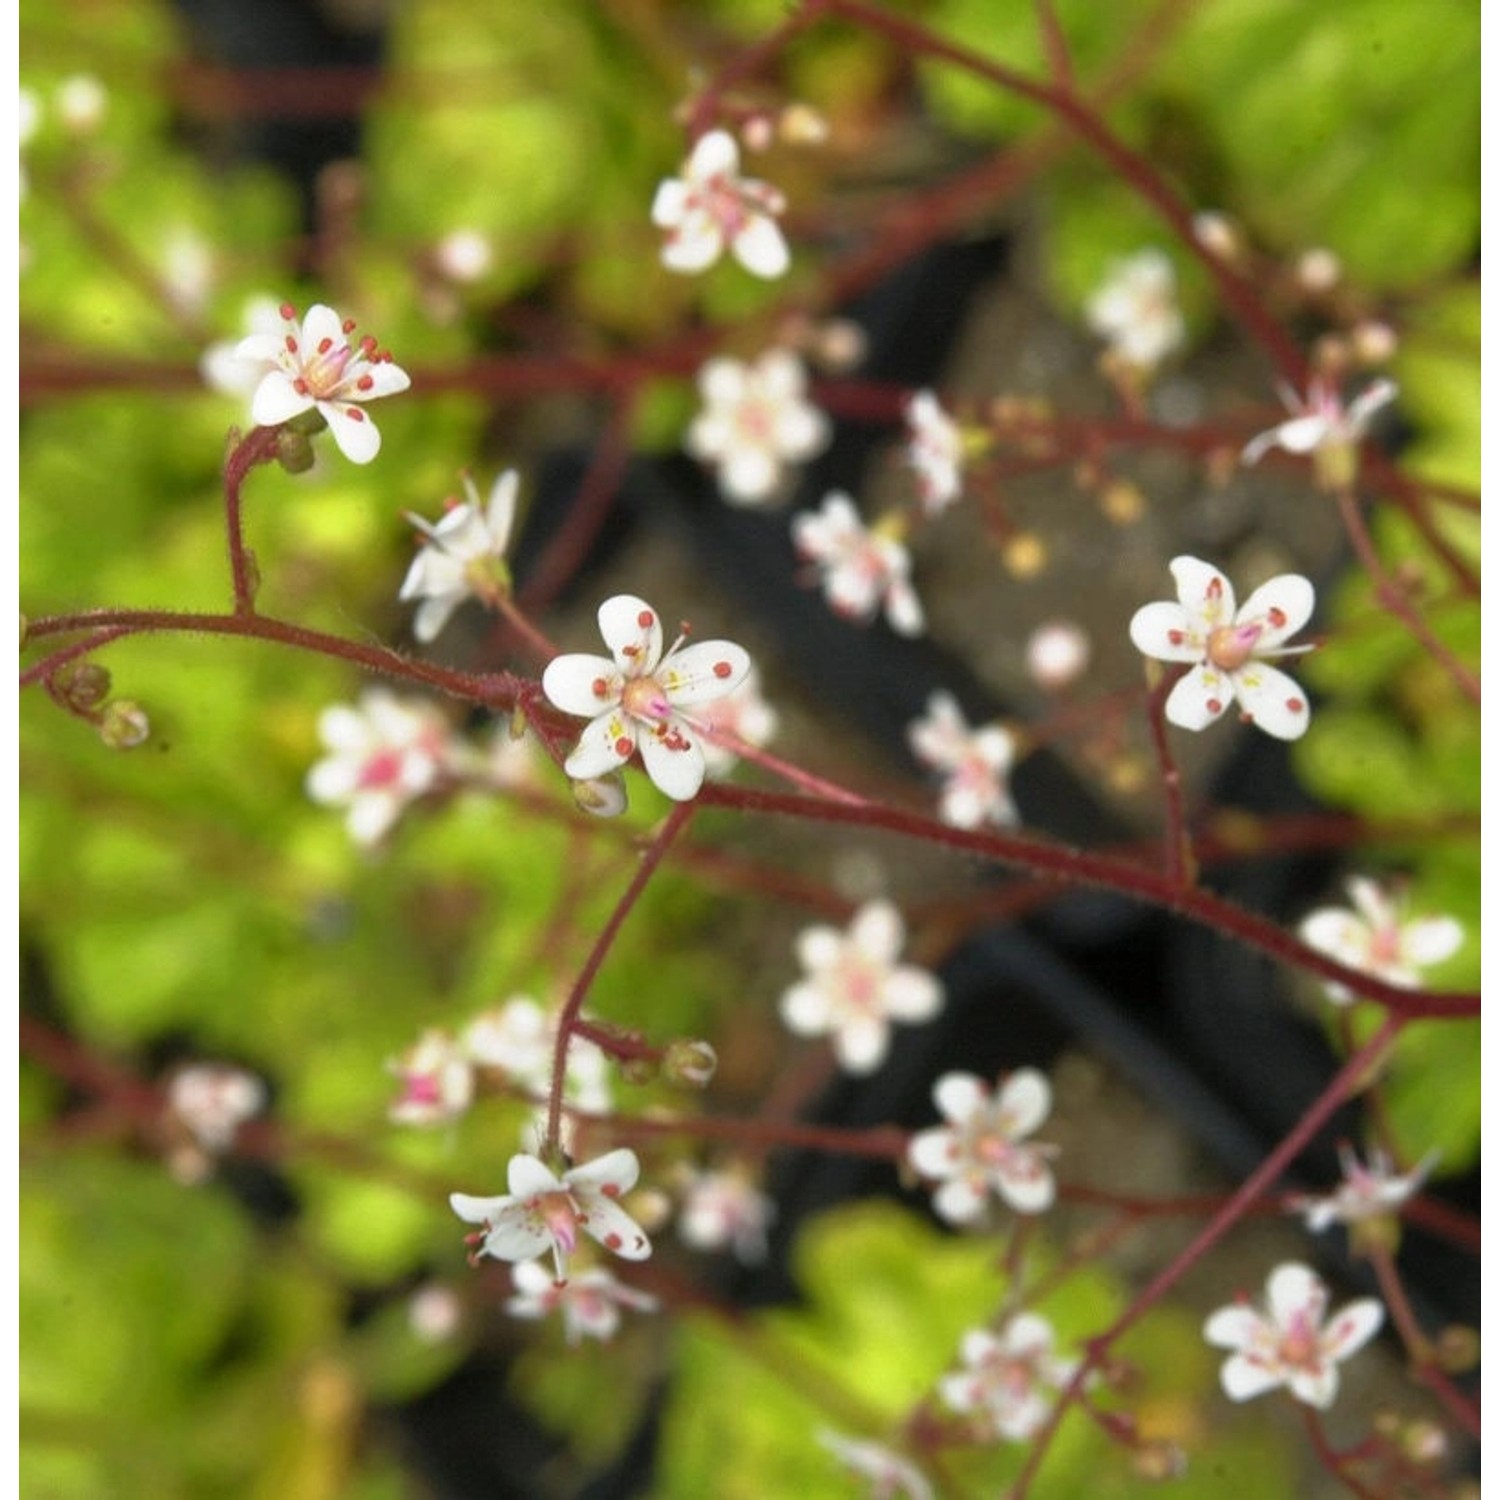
{"x":1057,"y":654}
{"x":222,"y":366}
{"x":1010,"y":1379}
{"x":755,"y":419}
{"x":313,"y":366}
{"x":435,"y":1312}
{"x":437,"y":1081}
{"x":187,"y":269}
{"x":854,"y":987}
{"x":638,"y":698}
{"x":463,"y":556}
{"x":590,"y":1302}
{"x":384,"y":755}
{"x":889,"y":1474}
{"x":974,"y":763}
{"x":463,"y":255}
{"x":1370,"y":1191}
{"x":1324,"y":427}
{"x":981,"y":1147}
{"x":935,"y":450}
{"x":1229,"y":650}
{"x":543,"y":1213}
{"x":28,"y":115}
{"x":212,"y":1100}
{"x":82,"y":102}
{"x":711,"y":207}
{"x":741,"y":715}
{"x":1376,"y":939}
{"x":862,"y":570}
{"x":1318,"y":270}
{"x":1136,"y":310}
{"x":1288,"y":1344}
{"x":725,"y":1209}
{"x":518,"y":1038}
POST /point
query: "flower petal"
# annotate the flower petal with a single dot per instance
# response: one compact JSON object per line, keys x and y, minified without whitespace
{"x":912,"y":995}
{"x":715,"y":153}
{"x":1243,"y":1377}
{"x":477,"y":1210}
{"x":1202,"y":590}
{"x":1290,"y":598}
{"x":526,"y":1176}
{"x":959,"y":1096}
{"x":357,"y":436}
{"x":1315,"y":1386}
{"x":277,"y":400}
{"x":805,"y":1009}
{"x":608,"y":1223}
{"x":675,"y":763}
{"x":694,"y":245}
{"x":617,"y":1171}
{"x":632,"y":631}
{"x":1272,"y":700}
{"x":877,"y":932}
{"x":321,"y":323}
{"x":761,"y":248}
{"x":1167,"y":632}
{"x":1237,"y":1326}
{"x":1294,"y":1291}
{"x":1024,"y":1100}
{"x":935,"y":1152}
{"x":1024,"y":1180}
{"x":1199,"y":698}
{"x":569,"y":682}
{"x":385,"y":379}
{"x":1352,"y":1328}
{"x":704,"y":671}
{"x":861,"y":1043}
{"x":1429,"y":940}
{"x":500,"y":513}
{"x":959,"y":1201}
{"x":605,"y":745}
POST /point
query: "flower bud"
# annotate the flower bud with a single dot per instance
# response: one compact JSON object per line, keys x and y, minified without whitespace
{"x":124,"y":725}
{"x":294,"y":450}
{"x":84,"y":684}
{"x":1458,"y":1349}
{"x":689,"y":1062}
{"x":604,"y":796}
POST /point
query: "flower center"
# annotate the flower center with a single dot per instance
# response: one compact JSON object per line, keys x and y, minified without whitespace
{"x":323,"y":371}
{"x":558,"y":1213}
{"x":381,"y":769}
{"x":645,"y":698}
{"x":1231,"y":646}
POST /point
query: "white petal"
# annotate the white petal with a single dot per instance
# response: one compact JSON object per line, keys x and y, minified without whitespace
{"x":1167,"y":632}
{"x":1292,"y":595}
{"x":432,"y":615}
{"x":761,"y":248}
{"x":749,"y":474}
{"x":1339,"y":934}
{"x":1025,"y":1182}
{"x":1203,"y":591}
{"x":912,"y":995}
{"x":1199,"y":698}
{"x":386,"y":379}
{"x":959,"y":1096}
{"x":675,"y":762}
{"x":695,"y":245}
{"x":1293,"y":1290}
{"x":476,"y":1210}
{"x":1023,"y":1102}
{"x":526,"y":1177}
{"x":702,"y":672}
{"x":1316,"y":1387}
{"x":1429,"y":940}
{"x":516,"y":1235}
{"x":1272,"y":700}
{"x":1367,"y":403}
{"x":608,"y":1223}
{"x":333,"y":780}
{"x":1243,"y":1378}
{"x":877,"y":932}
{"x":934,"y":1153}
{"x":260,"y":348}
{"x":714,"y":154}
{"x":320,"y":323}
{"x":805,"y":1010}
{"x":277,"y":400}
{"x":605,"y":745}
{"x":500,"y":513}
{"x":569,"y":682}
{"x":861,"y":1043}
{"x":1237,"y":1326}
{"x":819,"y":948}
{"x":1352,"y":1328}
{"x":722,"y":382}
{"x":670,"y":202}
{"x":618,"y":1170}
{"x":357,"y":436}
{"x":371,"y":815}
{"x":959,"y":1201}
{"x":632,"y":631}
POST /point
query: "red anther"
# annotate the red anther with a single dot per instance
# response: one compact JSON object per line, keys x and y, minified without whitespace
{"x":645,"y":619}
{"x":623,"y":746}
{"x":349,"y":325}
{"x":288,"y":311}
{"x":291,"y":344}
{"x":722,"y":669}
{"x":366,"y":344}
{"x":600,"y":688}
{"x":1277,"y":617}
{"x":1215,"y":706}
{"x":300,"y":386}
{"x":1215,"y":587}
{"x":324,"y":345}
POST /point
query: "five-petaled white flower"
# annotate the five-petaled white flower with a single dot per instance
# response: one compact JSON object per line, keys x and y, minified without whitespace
{"x":1322,"y":424}
{"x":1288,"y":1344}
{"x":935,"y":450}
{"x":755,"y":419}
{"x":861,"y":569}
{"x":981,"y":1147}
{"x":890,"y":1475}
{"x":741,"y":716}
{"x":437,"y":1081}
{"x":1368,"y":1191}
{"x":463,"y":556}
{"x":637,"y":699}
{"x":1374,"y":938}
{"x":854,"y":988}
{"x":974,"y":763}
{"x":385,"y":753}
{"x":724,"y":1208}
{"x":1228,"y":649}
{"x":1136,"y":310}
{"x":314,"y":366}
{"x":590,"y":1302}
{"x":711,"y":206}
{"x":212,"y":1100}
{"x":543,"y":1213}
{"x":1010,"y":1378}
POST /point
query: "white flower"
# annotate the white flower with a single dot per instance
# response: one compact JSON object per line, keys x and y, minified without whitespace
{"x":463,"y":255}
{"x":1374,"y":939}
{"x":1288,"y":1345}
{"x":543,"y":1213}
{"x":1010,"y":1378}
{"x":1367,"y":1192}
{"x":222,"y":366}
{"x":974,"y":764}
{"x":82,"y":102}
{"x":725,"y":1208}
{"x":1324,"y":427}
{"x":1229,"y":650}
{"x":590,"y":1302}
{"x":518,"y":1039}
{"x":1136,"y":310}
{"x":434,"y":1313}
{"x":464,"y":555}
{"x":889,"y":1474}
{"x":437,"y":1081}
{"x":1057,"y":654}
{"x":935,"y":451}
{"x":314,"y":367}
{"x":854,"y":988}
{"x":637,"y":698}
{"x":980,"y":1147}
{"x":385,"y":754}
{"x":862,"y":570}
{"x":755,"y":419}
{"x":213,"y":1100}
{"x":711,"y":206}
{"x":742,"y":715}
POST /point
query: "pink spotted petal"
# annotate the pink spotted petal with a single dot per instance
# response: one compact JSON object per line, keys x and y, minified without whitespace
{"x":569,"y":683}
{"x":1237,"y":1326}
{"x":321,"y":322}
{"x":1167,"y":632}
{"x":1024,"y":1101}
{"x":516,"y":1235}
{"x":695,"y":244}
{"x":617,"y":1170}
{"x":1243,"y":1377}
{"x":1273,"y":700}
{"x":1025,"y":1182}
{"x":1292,"y":1291}
{"x":703,"y":672}
{"x":1204,"y":592}
{"x":277,"y":400}
{"x":1353,"y":1328}
{"x":674,"y":762}
{"x":354,"y":432}
{"x":1315,"y":1387}
{"x":526,"y":1176}
{"x":608,"y":1223}
{"x":1199,"y":698}
{"x":386,"y":379}
{"x":1290,"y":594}
{"x":934,"y":1153}
{"x":635,"y":646}
{"x":601,"y":747}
